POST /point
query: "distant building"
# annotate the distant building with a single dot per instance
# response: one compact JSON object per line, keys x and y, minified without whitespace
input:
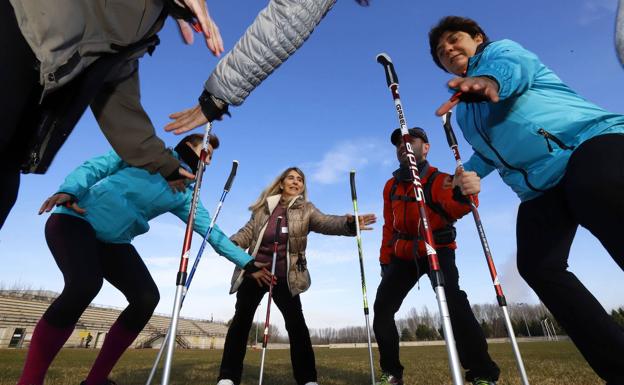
{"x":21,"y":309}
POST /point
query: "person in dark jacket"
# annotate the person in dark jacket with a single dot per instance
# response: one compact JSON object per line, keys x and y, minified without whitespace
{"x":104,"y":204}
{"x":68,"y":55}
{"x":286,"y":197}
{"x":403,"y":259}
{"x":561,"y":154}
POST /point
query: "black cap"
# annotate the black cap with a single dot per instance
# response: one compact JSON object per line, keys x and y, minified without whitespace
{"x":416,"y":132}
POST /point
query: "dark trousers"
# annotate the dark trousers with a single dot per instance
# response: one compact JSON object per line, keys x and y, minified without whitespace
{"x":398,"y":279}
{"x":248,"y":298}
{"x":20,"y":92}
{"x":85,"y":262}
{"x":591,"y":194}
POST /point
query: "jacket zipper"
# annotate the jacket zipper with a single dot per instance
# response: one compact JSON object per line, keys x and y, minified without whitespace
{"x":498,"y":155}
{"x":548,"y":136}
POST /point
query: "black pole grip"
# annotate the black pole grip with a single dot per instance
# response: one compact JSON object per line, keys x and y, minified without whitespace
{"x":353,"y":193}
{"x":386,"y":62}
{"x":278,"y":230}
{"x":448,"y":129}
{"x":230,"y":180}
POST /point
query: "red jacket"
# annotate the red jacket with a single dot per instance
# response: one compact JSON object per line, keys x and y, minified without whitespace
{"x":402,"y":218}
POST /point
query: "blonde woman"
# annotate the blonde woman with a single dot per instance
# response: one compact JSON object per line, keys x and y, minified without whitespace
{"x":285,"y":197}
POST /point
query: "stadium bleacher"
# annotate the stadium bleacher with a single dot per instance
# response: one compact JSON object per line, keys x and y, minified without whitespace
{"x":21,"y":309}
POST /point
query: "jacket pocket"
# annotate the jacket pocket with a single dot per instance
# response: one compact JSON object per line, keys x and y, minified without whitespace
{"x":552,"y":138}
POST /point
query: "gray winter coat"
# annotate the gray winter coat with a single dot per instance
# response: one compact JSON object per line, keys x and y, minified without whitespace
{"x":67,"y":36}
{"x":619,"y":32}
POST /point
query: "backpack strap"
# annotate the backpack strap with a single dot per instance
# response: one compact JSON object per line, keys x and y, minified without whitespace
{"x":434,"y":206}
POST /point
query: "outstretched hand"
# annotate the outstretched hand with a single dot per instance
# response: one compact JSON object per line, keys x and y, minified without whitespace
{"x":479,"y":85}
{"x":364,"y":219}
{"x":59,"y":199}
{"x":209,"y":28}
{"x":186,"y":120}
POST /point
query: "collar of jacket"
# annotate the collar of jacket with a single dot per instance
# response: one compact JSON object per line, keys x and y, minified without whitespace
{"x":274,"y":200}
{"x":474,"y":61}
{"x":402,"y":174}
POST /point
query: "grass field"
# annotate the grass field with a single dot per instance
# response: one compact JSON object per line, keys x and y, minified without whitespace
{"x":547,"y":363}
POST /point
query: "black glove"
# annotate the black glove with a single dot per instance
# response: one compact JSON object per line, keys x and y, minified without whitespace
{"x":212,"y":107}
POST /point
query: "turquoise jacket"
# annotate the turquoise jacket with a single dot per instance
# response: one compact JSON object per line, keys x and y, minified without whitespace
{"x":120,"y":201}
{"x":529,"y":135}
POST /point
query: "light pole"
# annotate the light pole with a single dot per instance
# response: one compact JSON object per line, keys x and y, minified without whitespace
{"x":524,"y":318}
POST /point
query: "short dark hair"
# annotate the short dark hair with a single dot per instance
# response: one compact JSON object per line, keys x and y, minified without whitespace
{"x":195,"y":139}
{"x":452,"y":24}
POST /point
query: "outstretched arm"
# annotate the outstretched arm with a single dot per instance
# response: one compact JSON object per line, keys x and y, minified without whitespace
{"x":278,"y":31}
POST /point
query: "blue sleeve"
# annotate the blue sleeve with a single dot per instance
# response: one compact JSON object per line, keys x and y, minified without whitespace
{"x":218,"y":240}
{"x":480,"y":165}
{"x":512,"y":66}
{"x":78,"y":182}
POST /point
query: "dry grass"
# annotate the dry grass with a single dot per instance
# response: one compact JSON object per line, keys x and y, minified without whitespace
{"x":550,"y":363}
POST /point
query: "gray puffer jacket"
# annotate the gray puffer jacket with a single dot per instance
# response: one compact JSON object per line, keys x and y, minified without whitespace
{"x":278,"y":31}
{"x":619,"y":32}
{"x":302,"y":217}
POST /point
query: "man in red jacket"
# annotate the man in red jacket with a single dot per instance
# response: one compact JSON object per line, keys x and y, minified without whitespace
{"x":404,"y":259}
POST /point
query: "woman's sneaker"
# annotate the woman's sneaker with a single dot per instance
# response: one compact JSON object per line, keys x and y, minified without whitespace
{"x":389,"y":379}
{"x":225,"y":382}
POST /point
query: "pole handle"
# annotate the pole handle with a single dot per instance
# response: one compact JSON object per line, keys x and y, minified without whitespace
{"x":278,"y":230}
{"x":448,"y":129}
{"x":230,"y":179}
{"x":353,"y":192}
{"x":391,"y":76}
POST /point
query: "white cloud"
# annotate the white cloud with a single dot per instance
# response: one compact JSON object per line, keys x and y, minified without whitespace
{"x":594,"y":10}
{"x":346,"y":156}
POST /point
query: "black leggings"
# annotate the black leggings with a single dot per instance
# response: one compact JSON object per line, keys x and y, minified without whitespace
{"x":248,"y":298}
{"x":591,"y":194}
{"x":20,"y":93}
{"x":85,"y":262}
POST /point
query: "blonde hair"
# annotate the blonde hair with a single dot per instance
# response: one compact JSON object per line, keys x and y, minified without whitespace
{"x":274,"y":189}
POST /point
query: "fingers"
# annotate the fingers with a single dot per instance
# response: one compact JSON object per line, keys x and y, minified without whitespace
{"x":483,"y":86}
{"x":74,"y":206}
{"x":53,"y":201}
{"x":47,"y":205}
{"x":186,"y":174}
{"x":186,"y":32}
{"x":186,"y":120}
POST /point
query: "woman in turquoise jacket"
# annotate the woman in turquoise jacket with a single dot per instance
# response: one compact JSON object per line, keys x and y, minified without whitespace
{"x":561,"y":154}
{"x":105,"y":204}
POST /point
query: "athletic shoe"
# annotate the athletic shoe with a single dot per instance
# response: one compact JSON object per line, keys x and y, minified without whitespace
{"x":482,"y":381}
{"x":225,"y":382}
{"x":389,"y":379}
{"x":311,"y":383}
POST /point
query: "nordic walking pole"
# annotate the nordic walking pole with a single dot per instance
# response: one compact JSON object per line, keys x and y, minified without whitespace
{"x":265,"y":337}
{"x":226,"y":189}
{"x":500,"y":297}
{"x":437,"y":278}
{"x":361,"y":257}
{"x":186,"y":249}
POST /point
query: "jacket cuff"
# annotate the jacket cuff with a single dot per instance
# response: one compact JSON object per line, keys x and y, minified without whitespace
{"x":250,"y":267}
{"x":212,"y":107}
{"x":459,"y":197}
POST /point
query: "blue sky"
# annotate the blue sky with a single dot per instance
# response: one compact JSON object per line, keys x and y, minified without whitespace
{"x":328,"y":110}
